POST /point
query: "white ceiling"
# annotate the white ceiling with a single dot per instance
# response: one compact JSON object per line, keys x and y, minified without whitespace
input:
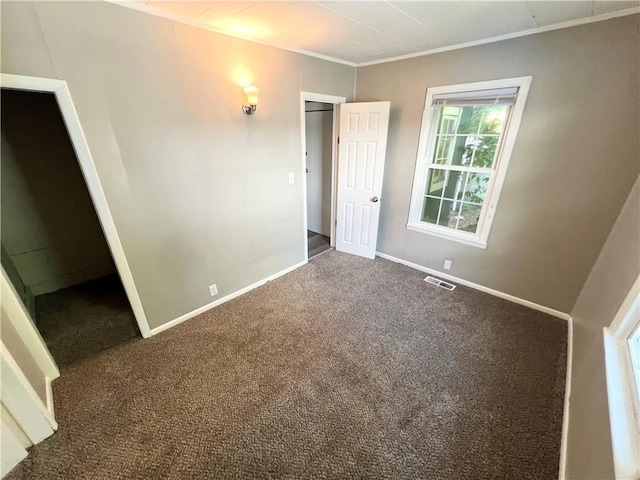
{"x":360,"y":32}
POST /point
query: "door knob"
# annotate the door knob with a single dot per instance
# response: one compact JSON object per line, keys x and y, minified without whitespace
{"x":375,"y":199}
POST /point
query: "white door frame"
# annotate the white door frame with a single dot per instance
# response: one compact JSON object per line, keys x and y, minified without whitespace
{"x":26,"y":329}
{"x":60,"y":89}
{"x":335,"y":100}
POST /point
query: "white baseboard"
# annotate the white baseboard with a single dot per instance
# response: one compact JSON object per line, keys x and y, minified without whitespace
{"x":222,"y":300}
{"x":567,"y":399}
{"x":49,"y":404}
{"x":491,"y":291}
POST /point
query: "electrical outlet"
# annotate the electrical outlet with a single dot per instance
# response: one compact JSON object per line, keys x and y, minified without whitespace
{"x":292,"y":178}
{"x":447,"y":264}
{"x":213,"y":290}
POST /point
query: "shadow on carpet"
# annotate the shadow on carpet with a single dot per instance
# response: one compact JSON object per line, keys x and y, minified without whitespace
{"x":81,"y":321}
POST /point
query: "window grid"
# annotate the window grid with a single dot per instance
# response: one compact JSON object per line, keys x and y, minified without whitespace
{"x":444,"y":163}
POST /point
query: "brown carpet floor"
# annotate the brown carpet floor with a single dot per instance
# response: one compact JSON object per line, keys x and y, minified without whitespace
{"x":81,"y":321}
{"x":345,"y":368}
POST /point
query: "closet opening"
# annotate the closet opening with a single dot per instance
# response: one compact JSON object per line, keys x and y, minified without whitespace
{"x":53,"y":247}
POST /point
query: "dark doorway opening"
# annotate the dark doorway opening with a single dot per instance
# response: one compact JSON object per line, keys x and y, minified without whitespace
{"x":53,"y":247}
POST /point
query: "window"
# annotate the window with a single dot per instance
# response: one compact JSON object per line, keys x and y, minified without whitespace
{"x":622,"y":358}
{"x":467,"y":135}
{"x":634,"y":354}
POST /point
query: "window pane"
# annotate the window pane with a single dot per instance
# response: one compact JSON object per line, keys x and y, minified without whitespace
{"x":476,"y":188}
{"x":483,"y":119}
{"x":452,"y":150}
{"x":469,"y":216}
{"x":435,"y":184}
{"x":493,"y":119}
{"x":449,"y":120}
{"x":431,"y":209}
{"x":454,"y":186}
{"x":446,"y":212}
{"x":483,"y":150}
{"x":442,"y":154}
{"x":454,"y":214}
{"x":469,"y":119}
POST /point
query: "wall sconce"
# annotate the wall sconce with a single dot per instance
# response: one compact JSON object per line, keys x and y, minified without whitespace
{"x":251,"y":104}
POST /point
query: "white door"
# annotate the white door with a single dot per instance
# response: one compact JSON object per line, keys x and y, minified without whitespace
{"x":361,"y":155}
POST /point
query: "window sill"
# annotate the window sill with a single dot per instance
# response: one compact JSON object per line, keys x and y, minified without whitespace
{"x":422,"y":228}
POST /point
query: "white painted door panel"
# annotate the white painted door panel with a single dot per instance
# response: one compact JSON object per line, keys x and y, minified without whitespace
{"x":361,"y":156}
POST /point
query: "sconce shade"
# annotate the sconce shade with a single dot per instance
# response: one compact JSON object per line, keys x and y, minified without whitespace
{"x":251,"y":104}
{"x":252,"y":95}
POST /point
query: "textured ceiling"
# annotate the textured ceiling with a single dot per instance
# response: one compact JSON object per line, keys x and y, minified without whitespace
{"x":369,"y":31}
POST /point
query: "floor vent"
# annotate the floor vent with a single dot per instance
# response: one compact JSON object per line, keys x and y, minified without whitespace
{"x":440,"y":283}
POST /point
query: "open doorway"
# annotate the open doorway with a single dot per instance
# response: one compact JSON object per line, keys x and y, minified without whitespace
{"x":319,"y":118}
{"x":53,"y":247}
{"x":319,"y":152}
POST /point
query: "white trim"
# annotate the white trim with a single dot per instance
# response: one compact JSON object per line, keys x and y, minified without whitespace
{"x":624,"y":406}
{"x":498,"y":172}
{"x":623,"y":323}
{"x":90,"y":174}
{"x":15,"y":428}
{"x":13,"y":450}
{"x":508,"y":36}
{"x":49,"y":404}
{"x":22,"y":402}
{"x":198,"y":24}
{"x":222,"y":300}
{"x":322,"y":98}
{"x":26,"y":328}
{"x":334,"y":100}
{"x":567,"y":400}
{"x":444,"y":233}
{"x":466,"y":283}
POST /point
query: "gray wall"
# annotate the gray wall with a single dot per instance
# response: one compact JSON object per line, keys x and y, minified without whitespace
{"x":615,"y":271}
{"x":50,"y":230}
{"x":199,"y":192}
{"x":573,"y":165}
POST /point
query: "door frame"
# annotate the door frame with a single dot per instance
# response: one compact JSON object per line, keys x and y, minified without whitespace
{"x":70,"y":117}
{"x":335,"y":101}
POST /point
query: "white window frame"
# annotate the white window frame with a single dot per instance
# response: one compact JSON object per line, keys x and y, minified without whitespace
{"x":425,"y":159}
{"x":622,"y":390}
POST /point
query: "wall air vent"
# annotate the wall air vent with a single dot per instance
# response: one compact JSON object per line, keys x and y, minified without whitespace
{"x":439,"y":283}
